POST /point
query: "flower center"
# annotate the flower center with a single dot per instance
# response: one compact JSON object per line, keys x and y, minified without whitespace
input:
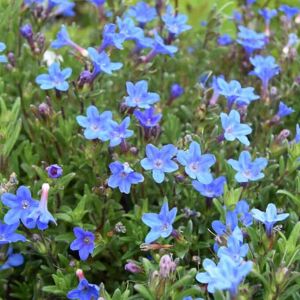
{"x":165,"y":227}
{"x":158,"y":163}
{"x":86,"y":240}
{"x":194,"y":166}
{"x":2,"y":237}
{"x":25,"y":204}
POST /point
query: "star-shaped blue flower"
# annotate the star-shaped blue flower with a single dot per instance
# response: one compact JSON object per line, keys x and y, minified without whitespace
{"x":268,"y":218}
{"x":142,"y":12}
{"x":284,"y":110}
{"x":110,"y":38}
{"x":8,"y":235}
{"x":128,"y":29}
{"x":138,"y":95}
{"x":56,"y":79}
{"x":248,"y":170}
{"x":160,"y":161}
{"x":21,"y":206}
{"x":84,"y":242}
{"x":148,"y":118}
{"x":161,"y":224}
{"x":12,"y":260}
{"x":117,"y":133}
{"x":267,"y":14}
{"x":96,"y":125}
{"x":289,"y":11}
{"x":210,"y":190}
{"x":84,"y":291}
{"x":197,"y":165}
{"x":250,"y":39}
{"x":233,"y":129}
{"x":123,"y":177}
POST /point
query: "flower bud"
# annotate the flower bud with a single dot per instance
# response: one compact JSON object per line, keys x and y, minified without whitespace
{"x":166,"y":266}
{"x":54,"y":171}
{"x":26,"y":32}
{"x":132,"y":267}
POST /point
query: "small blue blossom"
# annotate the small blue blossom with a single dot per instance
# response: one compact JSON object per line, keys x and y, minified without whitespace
{"x":197,"y":165}
{"x":12,"y":260}
{"x":297,"y":136}
{"x":161,"y":48}
{"x":54,"y":171}
{"x":211,"y":190}
{"x":123,"y":177}
{"x":289,"y":11}
{"x":84,"y":291}
{"x":56,"y":79}
{"x":225,"y":40}
{"x":175,"y":23}
{"x":3,"y":58}
{"x":148,"y":118}
{"x":268,"y":218}
{"x":62,"y":7}
{"x":96,"y":125}
{"x":268,"y":14}
{"x":138,"y":95}
{"x":234,"y":92}
{"x":233,"y":129}
{"x":142,"y":12}
{"x":243,"y":213}
{"x":110,"y":38}
{"x":84,"y":243}
{"x":26,"y":31}
{"x":128,"y":29}
{"x":237,"y":16}
{"x":284,"y":110}
{"x":250,"y":39}
{"x":21,"y":206}
{"x":176,"y":90}
{"x":117,"y":132}
{"x":265,"y":68}
{"x":161,"y":224}
{"x":248,"y":170}
{"x":8,"y":235}
{"x":227,"y":275}
{"x":40,"y":215}
{"x":160,"y":161}
{"x":231,"y":222}
{"x":235,"y":248}
{"x":102,"y":63}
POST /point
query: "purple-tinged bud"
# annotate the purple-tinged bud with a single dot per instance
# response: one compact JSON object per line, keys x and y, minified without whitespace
{"x":176,"y":91}
{"x":85,"y":77}
{"x":179,"y":178}
{"x":11,"y":58}
{"x":132,"y":267}
{"x":284,"y":134}
{"x":54,"y":171}
{"x":44,"y":109}
{"x":134,"y":150}
{"x":166,"y":266}
{"x":40,"y":40}
{"x":26,"y":32}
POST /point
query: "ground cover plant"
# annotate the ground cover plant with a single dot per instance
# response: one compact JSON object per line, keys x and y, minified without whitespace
{"x":149,"y":150}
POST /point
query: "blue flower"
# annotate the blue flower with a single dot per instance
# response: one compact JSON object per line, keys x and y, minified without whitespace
{"x":297,"y":136}
{"x":250,"y":39}
{"x":97,"y":2}
{"x":3,"y":58}
{"x":237,"y":16}
{"x":63,"y":7}
{"x":248,"y":170}
{"x":293,"y":39}
{"x":235,"y":248}
{"x":176,"y":90}
{"x":84,"y":242}
{"x":159,"y":47}
{"x":138,"y":95}
{"x":117,"y":132}
{"x":21,"y":206}
{"x":128,"y":29}
{"x":284,"y":110}
{"x":8,"y":235}
{"x":148,"y":118}
{"x":63,"y":39}
{"x":96,"y":125}
{"x":123,"y":177}
{"x":234,"y":92}
{"x":224,"y":40}
{"x":227,"y":275}
{"x":197,"y":165}
{"x":175,"y":23}
{"x":269,"y":218}
{"x":265,"y":68}
{"x":40,"y":215}
{"x":233,"y":129}
{"x":84,"y":291}
{"x":243,"y":214}
{"x":102,"y":63}
{"x":110,"y":38}
{"x":142,"y":12}
{"x":231,"y":222}
{"x":267,"y":14}
{"x":289,"y":11}
{"x":211,"y":190}
{"x":54,"y":171}
{"x":160,"y":161}
{"x":56,"y":79}
{"x":26,"y":31}
{"x":161,"y":224}
{"x":12,"y":260}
